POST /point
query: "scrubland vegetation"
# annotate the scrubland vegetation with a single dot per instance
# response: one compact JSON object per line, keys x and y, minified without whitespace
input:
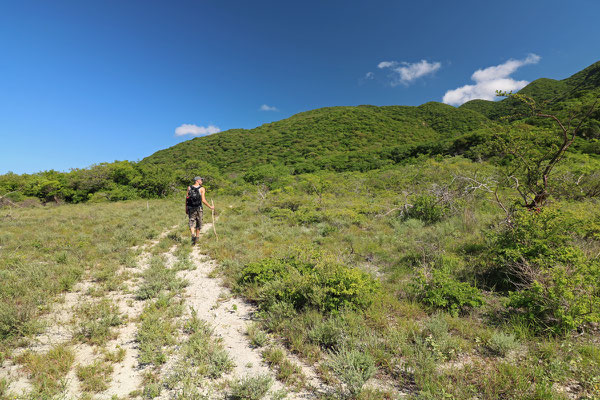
{"x":423,"y":298}
{"x":425,"y":266}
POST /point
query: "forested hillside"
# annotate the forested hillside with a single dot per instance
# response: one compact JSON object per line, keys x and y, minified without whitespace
{"x":336,"y":138}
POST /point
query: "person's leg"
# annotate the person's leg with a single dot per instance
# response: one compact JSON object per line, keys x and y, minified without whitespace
{"x":199,"y":223}
{"x":192,"y":224}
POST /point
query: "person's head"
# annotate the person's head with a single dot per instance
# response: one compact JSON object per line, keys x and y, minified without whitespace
{"x":198,"y":180}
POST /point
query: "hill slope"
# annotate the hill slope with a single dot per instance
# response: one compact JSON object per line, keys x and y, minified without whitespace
{"x":559,"y":94}
{"x":363,"y":137}
{"x":324,"y":136}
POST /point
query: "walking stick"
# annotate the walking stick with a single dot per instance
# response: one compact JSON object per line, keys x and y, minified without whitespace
{"x":213,"y":218}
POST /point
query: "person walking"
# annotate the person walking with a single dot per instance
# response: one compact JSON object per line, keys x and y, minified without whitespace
{"x":194,"y":199}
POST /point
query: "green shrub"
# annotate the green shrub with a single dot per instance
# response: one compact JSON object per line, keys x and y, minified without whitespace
{"x":427,"y":208}
{"x":269,"y":269}
{"x":316,"y":283}
{"x":440,"y":290}
{"x":554,"y":285}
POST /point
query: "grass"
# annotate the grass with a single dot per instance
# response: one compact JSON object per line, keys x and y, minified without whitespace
{"x":116,"y":356}
{"x":353,"y":368}
{"x":286,"y":371}
{"x":47,"y":371}
{"x":47,"y":250}
{"x":351,"y":218}
{"x":94,"y":377}
{"x":501,"y":343}
{"x":250,"y":388}
{"x":258,"y":337}
{"x":96,"y":321}
{"x":157,"y":330}
{"x":158,"y":278}
{"x":201,"y":358}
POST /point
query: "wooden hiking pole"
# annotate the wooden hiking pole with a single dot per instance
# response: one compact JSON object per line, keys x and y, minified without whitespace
{"x":212,"y":203}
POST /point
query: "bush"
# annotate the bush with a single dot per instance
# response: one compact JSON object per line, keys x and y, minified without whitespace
{"x":554,"y":285}
{"x":316,"y":283}
{"x":440,"y":290}
{"x":428,"y":209}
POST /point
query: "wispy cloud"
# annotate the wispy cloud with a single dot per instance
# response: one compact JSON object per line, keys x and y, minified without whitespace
{"x":265,"y":107}
{"x":405,"y":73}
{"x":490,"y":79}
{"x":369,"y":75}
{"x":195,"y":130}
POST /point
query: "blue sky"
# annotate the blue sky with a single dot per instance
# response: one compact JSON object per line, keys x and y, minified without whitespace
{"x":84,"y":82}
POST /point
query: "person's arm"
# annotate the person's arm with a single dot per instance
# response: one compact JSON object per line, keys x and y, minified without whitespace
{"x":202,"y":190}
{"x":187,"y":194}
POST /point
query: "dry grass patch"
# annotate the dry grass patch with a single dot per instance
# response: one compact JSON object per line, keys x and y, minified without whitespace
{"x":94,"y":377}
{"x":48,"y":370}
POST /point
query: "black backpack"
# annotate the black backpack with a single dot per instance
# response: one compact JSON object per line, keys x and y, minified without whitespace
{"x":194,"y":199}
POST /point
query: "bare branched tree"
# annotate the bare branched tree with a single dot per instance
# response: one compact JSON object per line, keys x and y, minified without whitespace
{"x":534,"y":190}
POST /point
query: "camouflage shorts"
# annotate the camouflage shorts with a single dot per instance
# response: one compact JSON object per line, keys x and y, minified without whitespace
{"x":196,"y":219}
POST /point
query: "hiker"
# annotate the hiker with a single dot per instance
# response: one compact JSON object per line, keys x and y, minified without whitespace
{"x":193,"y":207}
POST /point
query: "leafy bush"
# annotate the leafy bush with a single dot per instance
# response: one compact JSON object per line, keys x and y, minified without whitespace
{"x":427,"y":208}
{"x":555,"y":287}
{"x":269,"y":269}
{"x":440,"y":290}
{"x":316,"y":283}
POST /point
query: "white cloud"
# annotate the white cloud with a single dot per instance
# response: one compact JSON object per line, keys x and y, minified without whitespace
{"x":265,"y":107}
{"x":490,"y":79}
{"x":369,"y":75}
{"x":386,"y":64}
{"x":405,"y":73}
{"x":195,"y":130}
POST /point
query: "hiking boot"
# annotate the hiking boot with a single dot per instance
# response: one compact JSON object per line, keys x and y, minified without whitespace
{"x":193,"y":240}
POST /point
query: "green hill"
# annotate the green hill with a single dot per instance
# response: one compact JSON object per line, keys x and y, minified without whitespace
{"x":560,"y":95}
{"x":327,"y":138}
{"x":367,"y":137}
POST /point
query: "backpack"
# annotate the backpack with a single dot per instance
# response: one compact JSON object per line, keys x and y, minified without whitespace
{"x":194,"y":199}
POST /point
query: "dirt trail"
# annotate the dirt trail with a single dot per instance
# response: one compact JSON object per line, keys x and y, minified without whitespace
{"x":229,"y":316}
